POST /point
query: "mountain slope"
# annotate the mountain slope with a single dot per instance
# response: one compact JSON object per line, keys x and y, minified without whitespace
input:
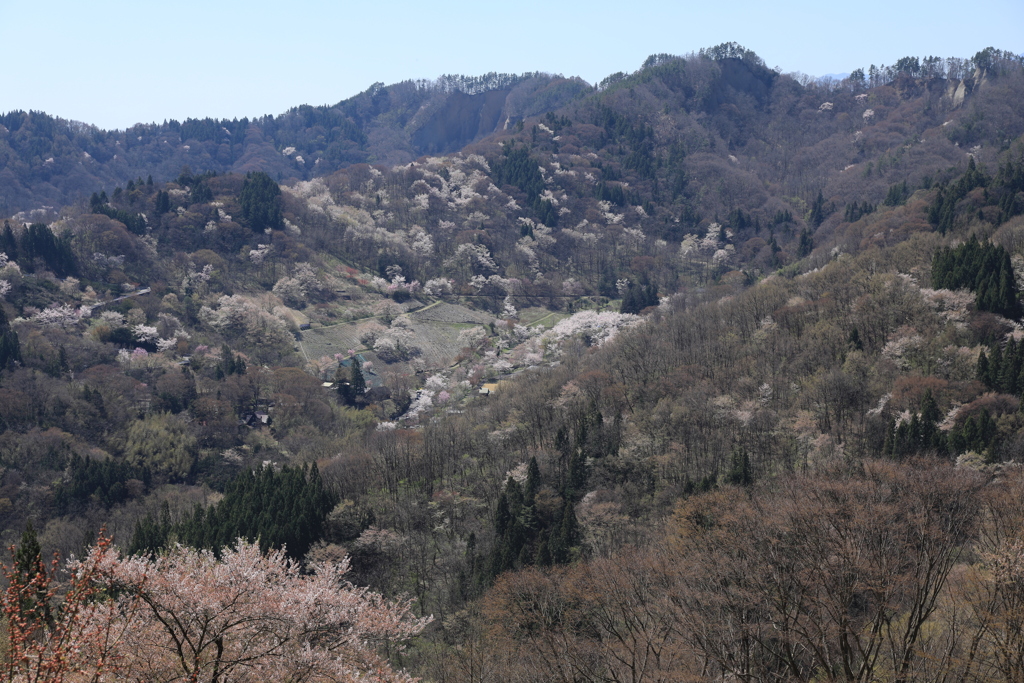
{"x":584,"y":340}
{"x":51,"y":161}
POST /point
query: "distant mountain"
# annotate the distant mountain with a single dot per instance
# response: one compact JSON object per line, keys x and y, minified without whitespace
{"x":717,"y":157}
{"x":45,"y":160}
{"x":670,"y":149}
{"x":48,"y":161}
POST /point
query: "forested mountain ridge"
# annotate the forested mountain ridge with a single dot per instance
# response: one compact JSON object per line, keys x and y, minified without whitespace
{"x":45,"y":160}
{"x":50,"y":161}
{"x":730,"y":324}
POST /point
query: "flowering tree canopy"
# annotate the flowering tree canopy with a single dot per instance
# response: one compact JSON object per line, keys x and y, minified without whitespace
{"x":187,"y":616}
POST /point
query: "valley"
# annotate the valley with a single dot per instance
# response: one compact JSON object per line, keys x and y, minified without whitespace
{"x":706,"y":371}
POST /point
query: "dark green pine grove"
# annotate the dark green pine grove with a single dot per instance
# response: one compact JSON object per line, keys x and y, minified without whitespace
{"x":1003,"y":191}
{"x":8,"y":242}
{"x":135,"y":222}
{"x":820,"y":210}
{"x":107,"y":482}
{"x":516,"y":167}
{"x":919,"y":434}
{"x":983,"y":268}
{"x":527,"y":536}
{"x":1002,"y":369}
{"x":261,"y":202}
{"x":854,"y":211}
{"x":230,"y":363}
{"x":897,"y":194}
{"x":1009,"y":187}
{"x":986,"y":270}
{"x":40,"y":247}
{"x":637,"y":297}
{"x":285,"y":508}
{"x":528,"y":528}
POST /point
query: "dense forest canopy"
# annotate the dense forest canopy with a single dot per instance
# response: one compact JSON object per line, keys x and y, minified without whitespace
{"x":705,"y":371}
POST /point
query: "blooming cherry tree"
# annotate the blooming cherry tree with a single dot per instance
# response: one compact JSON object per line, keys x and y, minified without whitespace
{"x":188,"y":616}
{"x":598,"y":327}
{"x":60,"y":316}
{"x":438,"y":286}
{"x":258,"y":254}
{"x":145,"y":333}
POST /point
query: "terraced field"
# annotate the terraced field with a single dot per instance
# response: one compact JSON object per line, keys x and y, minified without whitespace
{"x":533,"y":317}
{"x":436,"y":330}
{"x":327,"y":341}
{"x":442,"y":312}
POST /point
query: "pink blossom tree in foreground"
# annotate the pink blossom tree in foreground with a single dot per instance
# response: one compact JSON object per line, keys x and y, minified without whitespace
{"x":69,"y":641}
{"x":187,"y":616}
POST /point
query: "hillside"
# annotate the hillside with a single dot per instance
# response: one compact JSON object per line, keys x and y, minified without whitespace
{"x":705,"y":320}
{"x":49,"y":161}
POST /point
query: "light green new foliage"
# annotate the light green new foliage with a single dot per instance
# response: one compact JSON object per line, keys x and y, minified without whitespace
{"x":163,"y":443}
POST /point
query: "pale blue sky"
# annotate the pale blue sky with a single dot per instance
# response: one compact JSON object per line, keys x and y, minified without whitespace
{"x":114,"y":63}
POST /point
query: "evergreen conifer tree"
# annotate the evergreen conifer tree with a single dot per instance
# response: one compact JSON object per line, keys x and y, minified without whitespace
{"x":8,"y":242}
{"x":10,"y":347}
{"x":358,"y":381}
{"x":817,"y":214}
{"x":32,"y":577}
{"x":260,"y":199}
